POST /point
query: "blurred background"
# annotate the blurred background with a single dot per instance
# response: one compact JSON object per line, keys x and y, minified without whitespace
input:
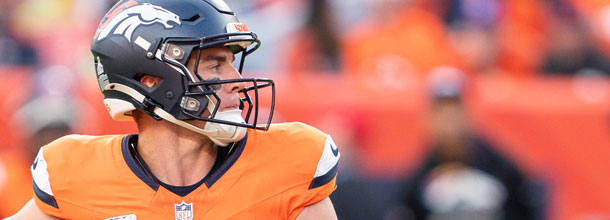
{"x":442,"y":109}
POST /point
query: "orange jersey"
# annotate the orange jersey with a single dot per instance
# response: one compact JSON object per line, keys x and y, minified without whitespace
{"x":271,"y":174}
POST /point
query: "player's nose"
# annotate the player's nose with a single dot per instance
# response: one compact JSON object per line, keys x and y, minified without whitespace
{"x":236,"y":86}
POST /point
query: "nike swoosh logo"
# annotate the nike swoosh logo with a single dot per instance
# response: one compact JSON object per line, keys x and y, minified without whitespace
{"x":35,"y":163}
{"x":334,"y":149}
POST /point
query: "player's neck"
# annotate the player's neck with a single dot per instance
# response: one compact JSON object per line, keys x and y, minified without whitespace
{"x":174,"y":155}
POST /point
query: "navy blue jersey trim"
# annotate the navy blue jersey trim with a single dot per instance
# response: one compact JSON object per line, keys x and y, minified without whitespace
{"x":324,"y":179}
{"x":222,"y":155}
{"x":182,"y":190}
{"x":133,"y":165}
{"x":44,"y":197}
{"x":239,"y":148}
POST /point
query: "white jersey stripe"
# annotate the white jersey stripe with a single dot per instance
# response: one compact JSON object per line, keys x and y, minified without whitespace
{"x":40,"y":173}
{"x":329,"y":159}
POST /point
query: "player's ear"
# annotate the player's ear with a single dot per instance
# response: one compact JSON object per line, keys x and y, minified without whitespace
{"x":150,"y":81}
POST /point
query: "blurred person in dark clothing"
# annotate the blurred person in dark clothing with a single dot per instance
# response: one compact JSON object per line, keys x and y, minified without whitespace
{"x":347,"y":128}
{"x":462,"y":176}
{"x":15,"y":177}
{"x":42,"y":120}
{"x":13,"y":51}
{"x":316,"y":45}
{"x":51,"y":112}
{"x":571,"y":50}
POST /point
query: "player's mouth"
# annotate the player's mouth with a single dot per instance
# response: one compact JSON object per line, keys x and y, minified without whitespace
{"x":228,"y":108}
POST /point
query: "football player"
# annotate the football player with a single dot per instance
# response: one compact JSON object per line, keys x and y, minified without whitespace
{"x":167,"y":65}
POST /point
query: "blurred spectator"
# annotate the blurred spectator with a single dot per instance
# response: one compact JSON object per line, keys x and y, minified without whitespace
{"x":46,"y":118}
{"x":521,"y":36}
{"x":495,"y":36}
{"x":401,"y":39}
{"x":15,"y":177}
{"x":50,"y":113}
{"x":13,"y":51}
{"x":14,"y":87}
{"x":472,"y":27}
{"x":481,"y":13}
{"x":463,"y":177}
{"x":571,"y":50}
{"x":281,"y":24}
{"x":273,"y":21}
{"x":60,"y":30}
{"x":353,"y":188}
{"x":597,"y":16}
{"x":316,"y":46}
{"x":477,"y":47}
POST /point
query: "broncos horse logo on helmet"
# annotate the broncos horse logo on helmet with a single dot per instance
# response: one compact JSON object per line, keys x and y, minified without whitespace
{"x":125,"y":18}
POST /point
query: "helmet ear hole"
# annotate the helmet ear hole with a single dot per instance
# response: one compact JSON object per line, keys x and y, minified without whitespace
{"x":138,"y":77}
{"x":148,"y":80}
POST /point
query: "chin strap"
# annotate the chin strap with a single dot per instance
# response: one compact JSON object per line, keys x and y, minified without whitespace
{"x":220,"y":134}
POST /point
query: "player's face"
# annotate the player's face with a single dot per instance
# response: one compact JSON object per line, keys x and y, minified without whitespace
{"x":216,"y":64}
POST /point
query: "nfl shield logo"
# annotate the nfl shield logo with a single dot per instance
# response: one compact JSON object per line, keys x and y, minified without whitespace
{"x":184,"y":211}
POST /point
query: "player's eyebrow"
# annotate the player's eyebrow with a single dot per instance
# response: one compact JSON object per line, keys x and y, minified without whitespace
{"x":219,"y":58}
{"x":215,"y":57}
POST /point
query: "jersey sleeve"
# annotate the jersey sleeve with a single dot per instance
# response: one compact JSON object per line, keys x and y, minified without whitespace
{"x":326,"y":169}
{"x":320,"y":182}
{"x":43,"y":194}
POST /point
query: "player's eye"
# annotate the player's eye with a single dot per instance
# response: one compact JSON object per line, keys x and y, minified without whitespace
{"x":215,"y":67}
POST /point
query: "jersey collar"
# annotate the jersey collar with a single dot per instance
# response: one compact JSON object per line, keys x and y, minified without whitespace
{"x":229,"y":154}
